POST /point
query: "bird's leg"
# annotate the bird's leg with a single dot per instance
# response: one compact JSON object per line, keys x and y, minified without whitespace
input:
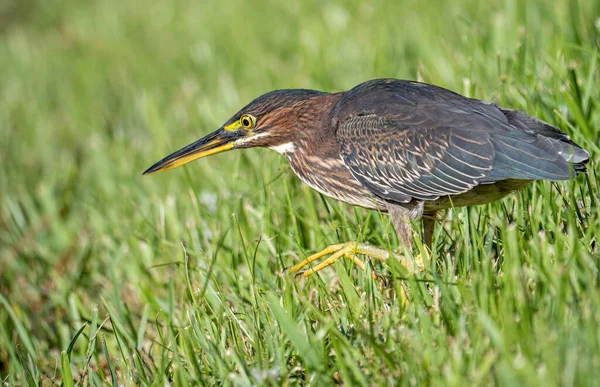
{"x":428,"y":228}
{"x":348,"y":250}
{"x":401,"y":217}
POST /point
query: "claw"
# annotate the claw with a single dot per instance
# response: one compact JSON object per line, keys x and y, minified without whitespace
{"x":350,"y":250}
{"x":347,"y":250}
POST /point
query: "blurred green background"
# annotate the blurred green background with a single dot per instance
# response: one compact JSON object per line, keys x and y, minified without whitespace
{"x":111,"y":277}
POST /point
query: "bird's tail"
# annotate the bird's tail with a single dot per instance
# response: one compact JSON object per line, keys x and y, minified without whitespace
{"x":569,"y":151}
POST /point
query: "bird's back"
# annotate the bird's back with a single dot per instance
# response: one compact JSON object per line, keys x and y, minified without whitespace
{"x":413,"y":141}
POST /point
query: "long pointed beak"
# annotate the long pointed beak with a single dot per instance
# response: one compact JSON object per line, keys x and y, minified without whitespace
{"x":218,"y":141}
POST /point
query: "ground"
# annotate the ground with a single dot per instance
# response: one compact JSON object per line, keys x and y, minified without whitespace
{"x":108,"y":276}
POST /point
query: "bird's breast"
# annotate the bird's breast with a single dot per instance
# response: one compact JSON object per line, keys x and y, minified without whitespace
{"x":327,"y":174}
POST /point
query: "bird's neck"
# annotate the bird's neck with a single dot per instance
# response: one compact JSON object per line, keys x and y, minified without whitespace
{"x":310,"y":132}
{"x":314,"y":153}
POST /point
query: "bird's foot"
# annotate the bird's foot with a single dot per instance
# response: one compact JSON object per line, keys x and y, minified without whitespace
{"x":350,"y":250}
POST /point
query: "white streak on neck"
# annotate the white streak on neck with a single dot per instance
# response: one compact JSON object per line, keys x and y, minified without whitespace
{"x":284,"y":149}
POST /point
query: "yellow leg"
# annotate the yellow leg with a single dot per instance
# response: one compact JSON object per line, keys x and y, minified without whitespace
{"x":350,"y":250}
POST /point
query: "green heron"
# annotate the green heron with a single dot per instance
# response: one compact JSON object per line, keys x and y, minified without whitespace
{"x":406,"y":148}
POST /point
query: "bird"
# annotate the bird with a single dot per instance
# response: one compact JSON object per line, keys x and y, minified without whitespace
{"x":405,"y":148}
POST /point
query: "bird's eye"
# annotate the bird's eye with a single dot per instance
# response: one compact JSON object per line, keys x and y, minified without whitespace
{"x":247,"y":121}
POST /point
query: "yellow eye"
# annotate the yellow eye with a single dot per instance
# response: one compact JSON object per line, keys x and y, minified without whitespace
{"x":247,"y":121}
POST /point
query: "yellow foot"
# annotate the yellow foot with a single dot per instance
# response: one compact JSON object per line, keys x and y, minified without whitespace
{"x":350,"y":250}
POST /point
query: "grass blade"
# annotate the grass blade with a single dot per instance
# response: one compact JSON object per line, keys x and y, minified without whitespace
{"x":67,"y":374}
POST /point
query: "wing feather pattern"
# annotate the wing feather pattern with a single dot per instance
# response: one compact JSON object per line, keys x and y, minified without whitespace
{"x":406,"y":140}
{"x":399,"y":161}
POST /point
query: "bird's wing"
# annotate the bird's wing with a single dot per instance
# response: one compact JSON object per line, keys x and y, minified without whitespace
{"x":405,"y":140}
{"x":421,"y":152}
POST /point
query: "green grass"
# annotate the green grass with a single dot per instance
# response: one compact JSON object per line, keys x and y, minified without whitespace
{"x":111,"y":277}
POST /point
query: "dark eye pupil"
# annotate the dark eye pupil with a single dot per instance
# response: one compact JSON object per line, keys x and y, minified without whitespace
{"x":246,"y":122}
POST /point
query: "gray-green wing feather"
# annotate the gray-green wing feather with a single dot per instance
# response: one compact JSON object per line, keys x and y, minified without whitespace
{"x":407,"y":140}
{"x":411,"y":156}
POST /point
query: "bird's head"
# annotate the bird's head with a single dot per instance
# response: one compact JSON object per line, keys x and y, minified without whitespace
{"x":268,"y":121}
